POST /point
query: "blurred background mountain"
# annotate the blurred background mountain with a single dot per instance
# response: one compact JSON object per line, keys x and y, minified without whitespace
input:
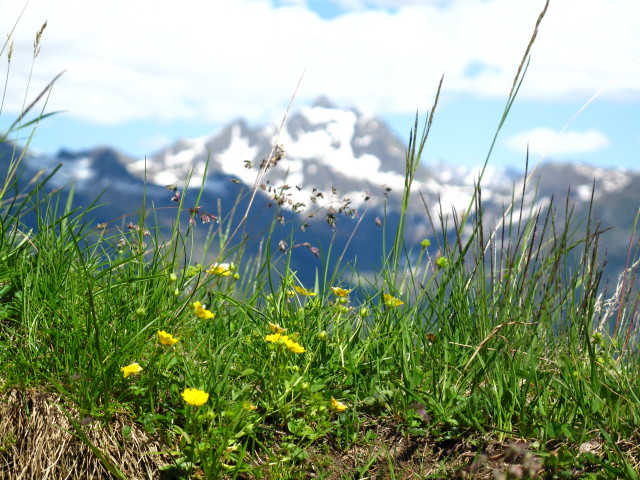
{"x":338,"y":171}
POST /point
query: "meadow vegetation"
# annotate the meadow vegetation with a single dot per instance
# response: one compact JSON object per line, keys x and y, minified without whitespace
{"x":490,"y":352}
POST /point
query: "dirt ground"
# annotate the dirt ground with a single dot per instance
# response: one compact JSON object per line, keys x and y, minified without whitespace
{"x":41,"y":438}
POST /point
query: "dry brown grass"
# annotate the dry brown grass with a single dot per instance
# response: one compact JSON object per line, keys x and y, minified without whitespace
{"x":39,"y":442}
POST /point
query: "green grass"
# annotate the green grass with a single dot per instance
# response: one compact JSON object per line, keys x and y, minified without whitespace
{"x":490,"y":348}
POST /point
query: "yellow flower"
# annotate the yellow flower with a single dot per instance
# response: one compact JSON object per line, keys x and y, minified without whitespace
{"x":290,"y":344}
{"x":340,"y":292}
{"x":195,"y":397}
{"x":166,"y":339}
{"x":249,"y":407}
{"x":337,"y":406}
{"x":275,"y":328}
{"x":293,"y":346}
{"x":220,"y":269}
{"x":303,"y":291}
{"x":200,"y":311}
{"x":391,"y":301}
{"x":131,"y":369}
{"x":273,"y":338}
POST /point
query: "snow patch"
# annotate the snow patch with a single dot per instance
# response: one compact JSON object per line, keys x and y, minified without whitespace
{"x":232,"y":159}
{"x":166,"y":177}
{"x":321,"y":116}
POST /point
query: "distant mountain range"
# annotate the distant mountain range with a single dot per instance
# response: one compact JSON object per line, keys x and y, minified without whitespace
{"x":334,"y":166}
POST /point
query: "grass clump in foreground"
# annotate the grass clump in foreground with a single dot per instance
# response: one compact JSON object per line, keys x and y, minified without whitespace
{"x":479,"y":353}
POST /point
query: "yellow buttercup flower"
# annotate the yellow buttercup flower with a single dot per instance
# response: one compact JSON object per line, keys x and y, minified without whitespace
{"x":200,"y":311}
{"x":134,"y":368}
{"x":293,"y":346}
{"x":340,"y":292}
{"x":166,"y":339}
{"x":220,"y":269}
{"x":195,"y":397}
{"x":391,"y":301}
{"x":304,"y":291}
{"x":275,"y":328}
{"x":337,"y":406}
{"x":273,"y":338}
{"x":290,"y":344}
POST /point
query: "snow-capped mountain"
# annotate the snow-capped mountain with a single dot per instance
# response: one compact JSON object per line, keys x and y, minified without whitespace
{"x":324,"y":145}
{"x":341,"y":153}
{"x":331,"y":161}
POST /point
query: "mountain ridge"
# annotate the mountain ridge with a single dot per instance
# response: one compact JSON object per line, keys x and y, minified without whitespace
{"x":336,"y":162}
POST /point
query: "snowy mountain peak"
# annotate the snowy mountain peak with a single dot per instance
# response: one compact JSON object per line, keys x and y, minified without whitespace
{"x":330,"y":149}
{"x":325,"y":147}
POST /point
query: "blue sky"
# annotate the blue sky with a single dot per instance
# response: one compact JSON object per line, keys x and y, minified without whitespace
{"x":142,"y":74}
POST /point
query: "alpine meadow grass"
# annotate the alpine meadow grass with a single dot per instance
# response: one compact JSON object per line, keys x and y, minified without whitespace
{"x":488,"y":350}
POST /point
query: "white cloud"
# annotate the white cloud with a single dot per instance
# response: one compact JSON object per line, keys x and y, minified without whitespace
{"x":394,"y":4}
{"x":544,"y":141}
{"x":222,"y":59}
